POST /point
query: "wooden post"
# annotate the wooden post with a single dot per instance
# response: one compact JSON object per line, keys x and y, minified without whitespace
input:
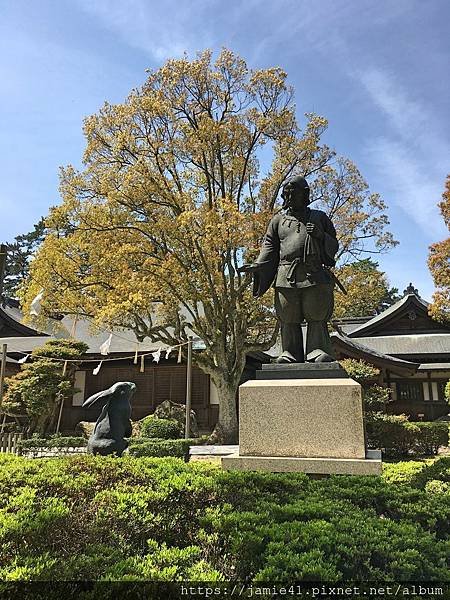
{"x":188,"y":390}
{"x":2,"y":372}
{"x":3,"y":253}
{"x":60,"y":414}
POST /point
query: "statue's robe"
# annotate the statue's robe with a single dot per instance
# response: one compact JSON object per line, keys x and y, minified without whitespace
{"x":292,"y":258}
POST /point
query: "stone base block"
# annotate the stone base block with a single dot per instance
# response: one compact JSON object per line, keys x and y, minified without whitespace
{"x":301,"y":418}
{"x":314,"y":466}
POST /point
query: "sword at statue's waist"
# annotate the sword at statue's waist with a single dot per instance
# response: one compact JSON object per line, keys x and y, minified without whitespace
{"x":336,"y":280}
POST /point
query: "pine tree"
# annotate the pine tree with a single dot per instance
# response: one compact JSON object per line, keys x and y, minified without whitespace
{"x":19,"y":254}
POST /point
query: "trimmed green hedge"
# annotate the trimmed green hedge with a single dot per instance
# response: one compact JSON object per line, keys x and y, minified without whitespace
{"x":399,"y":437}
{"x":160,"y":447}
{"x":90,"y":518}
{"x":166,"y":429}
{"x":137,"y":446}
{"x":54,"y":442}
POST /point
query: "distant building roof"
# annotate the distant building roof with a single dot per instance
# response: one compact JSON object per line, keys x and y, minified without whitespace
{"x":21,"y":338}
{"x":25,"y":345}
{"x":411,"y":309}
{"x":411,"y":344}
{"x":349,"y":324}
{"x":11,"y":322}
{"x":442,"y":366}
{"x":358,"y":349}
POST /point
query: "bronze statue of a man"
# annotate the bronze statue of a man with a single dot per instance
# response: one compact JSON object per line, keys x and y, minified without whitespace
{"x":299,"y":247}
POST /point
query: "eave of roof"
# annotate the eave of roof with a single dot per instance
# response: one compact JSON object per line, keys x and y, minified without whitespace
{"x":397,"y":365}
{"x":16,"y":325}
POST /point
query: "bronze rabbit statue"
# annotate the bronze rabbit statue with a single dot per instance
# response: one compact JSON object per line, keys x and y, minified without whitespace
{"x":113,"y":424}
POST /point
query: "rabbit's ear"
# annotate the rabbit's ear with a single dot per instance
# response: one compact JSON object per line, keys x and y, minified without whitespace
{"x":107,"y":394}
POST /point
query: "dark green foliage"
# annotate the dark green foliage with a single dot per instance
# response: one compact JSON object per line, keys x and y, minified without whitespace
{"x":19,"y":254}
{"x":166,"y":429}
{"x":399,"y":437}
{"x":160,"y":447}
{"x":65,"y":349}
{"x":435,"y":475}
{"x":395,"y":435}
{"x":432,"y":435}
{"x":36,"y":391}
{"x":86,"y":517}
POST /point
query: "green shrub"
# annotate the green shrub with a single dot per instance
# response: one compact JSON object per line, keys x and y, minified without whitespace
{"x":164,"y":564}
{"x":403,"y":472}
{"x":394,"y":434}
{"x":350,"y":546}
{"x":432,"y":435}
{"x":38,"y":388}
{"x":397,"y":436}
{"x":160,"y":447}
{"x":166,"y":429}
{"x":439,"y":470}
{"x":376,"y":397}
{"x":91,"y":518}
{"x":53,"y":442}
{"x":359,"y":370}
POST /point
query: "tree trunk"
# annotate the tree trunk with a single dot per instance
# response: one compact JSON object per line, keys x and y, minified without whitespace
{"x":226,"y":429}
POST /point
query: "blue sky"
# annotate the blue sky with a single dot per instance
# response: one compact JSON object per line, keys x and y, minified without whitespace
{"x":377,"y":70}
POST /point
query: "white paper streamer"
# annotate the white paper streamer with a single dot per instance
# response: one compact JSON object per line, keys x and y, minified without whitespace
{"x":179,"y":355}
{"x":24,"y":359}
{"x":35,"y":307}
{"x":97,"y":368}
{"x":157,"y":355}
{"x":74,"y":327}
{"x":135,"y":361}
{"x":168,"y":351}
{"x":104,"y":348}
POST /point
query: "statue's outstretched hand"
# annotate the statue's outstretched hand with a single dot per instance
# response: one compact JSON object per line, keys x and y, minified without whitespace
{"x":314,"y":230}
{"x":250,"y":268}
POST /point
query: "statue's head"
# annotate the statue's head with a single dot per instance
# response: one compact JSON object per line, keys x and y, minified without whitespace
{"x":295,"y":193}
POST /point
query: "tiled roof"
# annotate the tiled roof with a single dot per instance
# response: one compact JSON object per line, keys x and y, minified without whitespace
{"x":389,"y":313}
{"x":418,"y":344}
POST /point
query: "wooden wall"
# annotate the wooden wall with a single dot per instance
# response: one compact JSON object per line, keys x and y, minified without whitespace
{"x":156,"y":384}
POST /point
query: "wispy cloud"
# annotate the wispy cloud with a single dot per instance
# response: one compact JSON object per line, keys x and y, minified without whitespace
{"x":412,"y":156}
{"x":410,"y":185}
{"x":161,"y":29}
{"x":411,"y":119}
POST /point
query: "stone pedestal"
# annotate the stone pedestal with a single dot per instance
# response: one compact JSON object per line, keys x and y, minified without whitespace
{"x":312,"y":424}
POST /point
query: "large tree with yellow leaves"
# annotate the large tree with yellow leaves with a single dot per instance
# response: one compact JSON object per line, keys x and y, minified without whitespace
{"x":172,"y":200}
{"x":439,"y":265}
